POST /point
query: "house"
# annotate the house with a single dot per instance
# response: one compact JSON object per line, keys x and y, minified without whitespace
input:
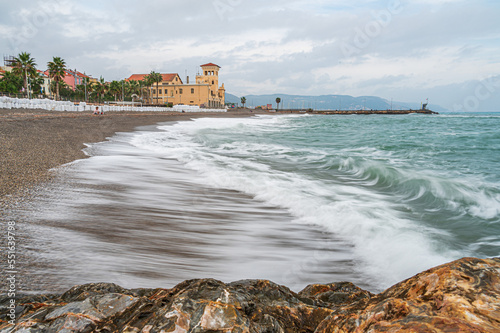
{"x":73,"y":78}
{"x":205,"y":92}
{"x":45,"y":88}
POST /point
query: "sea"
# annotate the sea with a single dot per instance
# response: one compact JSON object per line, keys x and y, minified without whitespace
{"x":295,"y":199}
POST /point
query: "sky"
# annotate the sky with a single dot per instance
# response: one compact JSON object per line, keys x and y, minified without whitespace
{"x":405,"y":50}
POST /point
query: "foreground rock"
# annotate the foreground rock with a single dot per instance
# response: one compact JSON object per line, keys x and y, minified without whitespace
{"x":463,"y":296}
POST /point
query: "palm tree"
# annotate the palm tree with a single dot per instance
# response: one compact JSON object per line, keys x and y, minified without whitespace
{"x":148,"y":82}
{"x":278,"y":101}
{"x":142,"y":87}
{"x":25,"y":66}
{"x":37,"y":83}
{"x":88,"y":87}
{"x":57,"y":71}
{"x":133,"y":87}
{"x":115,"y":88}
{"x":100,"y":88}
{"x":243,"y":101}
{"x":154,"y":77}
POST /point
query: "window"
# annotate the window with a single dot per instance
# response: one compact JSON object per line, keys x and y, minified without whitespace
{"x":159,"y":91}
{"x":180,"y":91}
{"x":192,"y":90}
{"x":213,"y":82}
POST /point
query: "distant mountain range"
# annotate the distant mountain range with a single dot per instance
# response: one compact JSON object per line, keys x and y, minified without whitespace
{"x":328,"y":102}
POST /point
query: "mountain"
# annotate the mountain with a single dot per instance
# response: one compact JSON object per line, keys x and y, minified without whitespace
{"x":327,"y":102}
{"x":232,"y":99}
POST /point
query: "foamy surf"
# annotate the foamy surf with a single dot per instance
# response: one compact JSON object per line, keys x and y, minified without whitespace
{"x":294,"y":199}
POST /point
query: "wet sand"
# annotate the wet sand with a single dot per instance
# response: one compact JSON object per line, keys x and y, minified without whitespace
{"x":53,"y":255}
{"x":34,"y":141}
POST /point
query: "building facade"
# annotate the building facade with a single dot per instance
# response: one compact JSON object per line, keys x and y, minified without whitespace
{"x":205,"y":92}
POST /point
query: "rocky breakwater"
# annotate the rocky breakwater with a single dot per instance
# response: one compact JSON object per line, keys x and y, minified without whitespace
{"x":462,"y":296}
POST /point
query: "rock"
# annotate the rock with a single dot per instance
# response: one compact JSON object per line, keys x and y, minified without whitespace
{"x":192,"y":306}
{"x":462,"y":296}
{"x":336,"y":295}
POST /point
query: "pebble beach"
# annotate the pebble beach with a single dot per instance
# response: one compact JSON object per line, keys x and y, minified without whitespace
{"x":33,"y":141}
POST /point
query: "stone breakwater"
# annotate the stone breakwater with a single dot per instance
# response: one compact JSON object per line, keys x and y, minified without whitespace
{"x":462,"y":296}
{"x":369,"y":112}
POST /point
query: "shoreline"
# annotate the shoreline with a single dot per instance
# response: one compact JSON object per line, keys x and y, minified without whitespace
{"x":34,"y":141}
{"x":461,"y":295}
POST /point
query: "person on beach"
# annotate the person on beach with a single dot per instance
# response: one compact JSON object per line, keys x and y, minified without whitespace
{"x":96,"y":111}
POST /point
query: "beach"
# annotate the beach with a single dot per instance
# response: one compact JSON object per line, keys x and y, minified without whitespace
{"x":35,"y":141}
{"x":296,"y":199}
{"x":249,"y":208}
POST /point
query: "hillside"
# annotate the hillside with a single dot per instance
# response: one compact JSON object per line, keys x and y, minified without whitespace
{"x":327,"y":102}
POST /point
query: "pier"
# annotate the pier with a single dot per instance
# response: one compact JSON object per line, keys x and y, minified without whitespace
{"x":367,"y":112}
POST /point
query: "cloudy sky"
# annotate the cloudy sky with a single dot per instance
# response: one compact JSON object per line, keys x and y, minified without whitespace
{"x":408,"y":50}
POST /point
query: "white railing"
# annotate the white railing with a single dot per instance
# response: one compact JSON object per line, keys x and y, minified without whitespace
{"x":50,"y":105}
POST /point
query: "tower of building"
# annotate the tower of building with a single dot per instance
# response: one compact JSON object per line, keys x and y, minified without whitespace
{"x":210,"y":76}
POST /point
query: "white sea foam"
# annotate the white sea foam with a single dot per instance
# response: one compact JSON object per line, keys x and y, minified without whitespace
{"x":367,"y":208}
{"x":388,"y":247}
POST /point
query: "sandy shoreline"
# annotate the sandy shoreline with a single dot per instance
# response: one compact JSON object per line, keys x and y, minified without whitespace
{"x":35,"y":141}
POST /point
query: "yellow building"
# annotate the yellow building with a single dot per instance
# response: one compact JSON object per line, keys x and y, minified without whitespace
{"x":205,"y":93}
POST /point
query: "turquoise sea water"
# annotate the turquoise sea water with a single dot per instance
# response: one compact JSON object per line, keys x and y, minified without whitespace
{"x":296,"y":199}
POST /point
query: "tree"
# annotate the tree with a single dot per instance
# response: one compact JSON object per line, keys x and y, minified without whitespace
{"x":115,"y":88}
{"x":57,"y":72}
{"x":278,"y":101}
{"x":24,"y":65}
{"x":64,"y":89}
{"x":11,"y":83}
{"x":37,"y":83}
{"x":154,"y":77}
{"x":148,"y":82}
{"x":87,"y":87}
{"x":143,"y":88}
{"x":134,"y":88}
{"x":99,"y":88}
{"x":243,"y":101}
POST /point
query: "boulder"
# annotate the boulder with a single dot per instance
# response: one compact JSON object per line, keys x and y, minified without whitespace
{"x":462,"y":296}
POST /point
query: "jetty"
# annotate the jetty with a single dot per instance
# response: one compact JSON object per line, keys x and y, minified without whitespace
{"x":367,"y":112}
{"x":423,"y":110}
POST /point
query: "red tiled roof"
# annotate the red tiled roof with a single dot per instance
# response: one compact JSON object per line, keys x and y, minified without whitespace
{"x":70,"y":72}
{"x":46,"y":73}
{"x":166,"y":77}
{"x":210,"y":64}
{"x":81,"y":74}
